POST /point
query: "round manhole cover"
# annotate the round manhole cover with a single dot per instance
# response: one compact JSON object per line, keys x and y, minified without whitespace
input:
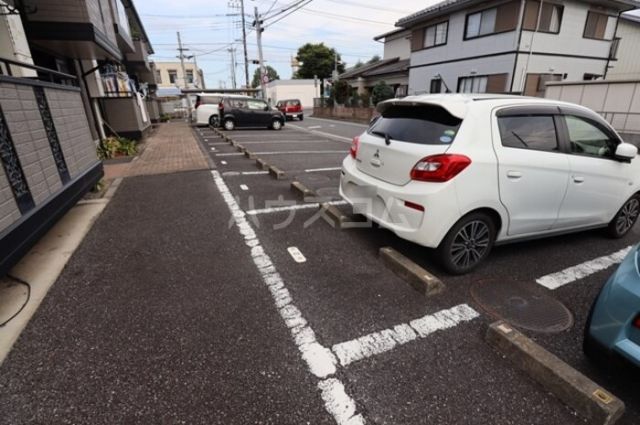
{"x":312,"y":178}
{"x":522,"y":305}
{"x":329,"y":192}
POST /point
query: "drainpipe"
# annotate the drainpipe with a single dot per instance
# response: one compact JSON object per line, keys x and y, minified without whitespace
{"x":519,"y":29}
{"x":526,"y":68}
{"x":615,"y":35}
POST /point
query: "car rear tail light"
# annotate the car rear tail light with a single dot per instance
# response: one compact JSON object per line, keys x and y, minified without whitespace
{"x":439,"y":168}
{"x":413,"y":205}
{"x":636,"y":322}
{"x":355,"y":144}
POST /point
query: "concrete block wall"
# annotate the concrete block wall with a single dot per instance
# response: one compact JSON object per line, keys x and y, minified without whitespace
{"x":72,"y":127}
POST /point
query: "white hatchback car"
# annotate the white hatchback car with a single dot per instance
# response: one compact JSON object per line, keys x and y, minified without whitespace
{"x":462,"y":172}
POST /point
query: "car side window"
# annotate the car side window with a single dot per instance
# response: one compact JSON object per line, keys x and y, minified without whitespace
{"x":535,"y":132}
{"x":256,"y":105}
{"x":586,"y":138}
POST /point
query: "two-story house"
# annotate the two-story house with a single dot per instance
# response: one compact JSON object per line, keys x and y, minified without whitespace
{"x":510,"y":46}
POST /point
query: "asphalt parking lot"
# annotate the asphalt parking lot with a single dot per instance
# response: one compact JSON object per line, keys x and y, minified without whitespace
{"x":445,"y":373}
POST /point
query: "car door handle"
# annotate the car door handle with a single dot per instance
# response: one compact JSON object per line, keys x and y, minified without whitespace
{"x":578,"y":179}
{"x":514,"y":175}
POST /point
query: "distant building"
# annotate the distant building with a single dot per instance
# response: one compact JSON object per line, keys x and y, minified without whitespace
{"x":475,"y":46}
{"x":169,"y":74}
{"x":304,"y":90}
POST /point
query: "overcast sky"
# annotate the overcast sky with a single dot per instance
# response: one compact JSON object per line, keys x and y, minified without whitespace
{"x":347,"y":25}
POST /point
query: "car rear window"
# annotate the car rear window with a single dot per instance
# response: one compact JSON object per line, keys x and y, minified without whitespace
{"x":210,"y":100}
{"x":423,"y":124}
{"x":293,"y":103}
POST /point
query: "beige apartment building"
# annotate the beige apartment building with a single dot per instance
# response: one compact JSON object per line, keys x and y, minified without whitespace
{"x":169,"y":74}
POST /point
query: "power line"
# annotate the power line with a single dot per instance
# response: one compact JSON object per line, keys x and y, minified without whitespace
{"x":302,"y":4}
{"x":343,"y":17}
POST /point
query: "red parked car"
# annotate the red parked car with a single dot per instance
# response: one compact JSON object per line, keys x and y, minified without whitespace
{"x":291,"y":108}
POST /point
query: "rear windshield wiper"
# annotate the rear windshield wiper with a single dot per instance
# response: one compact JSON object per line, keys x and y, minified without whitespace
{"x":387,"y":139}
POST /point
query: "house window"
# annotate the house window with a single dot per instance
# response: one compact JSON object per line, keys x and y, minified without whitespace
{"x":436,"y":86}
{"x":472,"y":84}
{"x":536,"y":84}
{"x":599,"y":26}
{"x":436,"y":35}
{"x":173,"y":76}
{"x":158,"y":77}
{"x":495,"y":83}
{"x":189,"y":76}
{"x":550,"y":17}
{"x":495,"y":20}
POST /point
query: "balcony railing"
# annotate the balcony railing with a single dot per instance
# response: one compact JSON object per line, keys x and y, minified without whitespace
{"x":44,"y":74}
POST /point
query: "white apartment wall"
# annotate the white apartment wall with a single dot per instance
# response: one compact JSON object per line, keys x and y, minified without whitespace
{"x":397,"y":46}
{"x":628,"y":64}
{"x":164,"y":68}
{"x":305,"y":92}
{"x":420,"y":78}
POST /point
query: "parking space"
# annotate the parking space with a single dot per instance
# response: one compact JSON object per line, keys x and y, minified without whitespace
{"x":407,"y":358}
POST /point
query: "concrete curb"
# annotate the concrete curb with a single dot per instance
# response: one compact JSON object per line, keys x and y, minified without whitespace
{"x":261,"y":164}
{"x":332,"y":215}
{"x":302,"y":190}
{"x":241,"y":148}
{"x":276,"y":173}
{"x":587,"y":398}
{"x":249,"y":154}
{"x":419,"y":278}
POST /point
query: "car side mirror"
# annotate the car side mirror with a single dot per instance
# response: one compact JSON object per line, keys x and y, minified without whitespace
{"x":626,"y":152}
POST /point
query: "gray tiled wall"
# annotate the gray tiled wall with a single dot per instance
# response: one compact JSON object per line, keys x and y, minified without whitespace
{"x":32,"y":145}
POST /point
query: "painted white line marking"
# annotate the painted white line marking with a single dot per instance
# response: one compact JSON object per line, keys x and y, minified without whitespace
{"x":206,"y":140}
{"x":274,"y":142}
{"x":252,"y":173}
{"x":331,"y":125}
{"x":230,"y":154}
{"x":298,"y":257}
{"x":338,"y":403}
{"x":213,"y":149}
{"x":300,"y":152}
{"x":314,"y":126}
{"x":223,"y":162}
{"x":353,"y":124}
{"x":319,"y":359}
{"x":571,"y":274}
{"x":243,"y":173}
{"x":244,"y":187}
{"x":313,"y":170}
{"x":291,"y":208}
{"x":380,"y":342}
{"x":322,"y":133}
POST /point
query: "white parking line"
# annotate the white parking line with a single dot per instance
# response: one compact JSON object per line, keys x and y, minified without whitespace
{"x":300,"y":152}
{"x":380,"y":342}
{"x":322,"y":133}
{"x":262,"y":142}
{"x":244,"y":187}
{"x":291,"y":208}
{"x":223,"y":162}
{"x":313,"y":170}
{"x":314,"y":127}
{"x":571,"y":274}
{"x":243,"y":173}
{"x":230,"y":154}
{"x":296,"y":254}
{"x":319,"y":359}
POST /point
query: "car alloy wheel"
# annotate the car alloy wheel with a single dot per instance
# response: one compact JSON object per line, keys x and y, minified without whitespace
{"x":626,"y":218}
{"x":468,"y":243}
{"x":276,"y":125}
{"x":229,"y":125}
{"x":213,"y":120}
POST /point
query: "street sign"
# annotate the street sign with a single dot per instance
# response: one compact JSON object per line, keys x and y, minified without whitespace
{"x":265,"y":79}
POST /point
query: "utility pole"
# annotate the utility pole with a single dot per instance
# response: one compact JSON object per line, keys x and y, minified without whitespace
{"x":232,"y":51}
{"x":184,"y":73}
{"x":263,"y":71}
{"x":244,"y":45}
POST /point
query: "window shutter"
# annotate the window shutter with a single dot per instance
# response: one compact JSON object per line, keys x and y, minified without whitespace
{"x":497,"y":83}
{"x":417,"y":39}
{"x":507,"y":16}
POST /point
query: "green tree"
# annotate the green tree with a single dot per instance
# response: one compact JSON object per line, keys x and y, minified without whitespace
{"x":341,"y":90}
{"x":381,"y":92}
{"x":317,"y":59}
{"x":374,"y":59}
{"x":358,"y":64}
{"x":272,"y":73}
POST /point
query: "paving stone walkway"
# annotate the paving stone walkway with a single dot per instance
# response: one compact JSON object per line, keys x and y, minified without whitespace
{"x":172,"y":148}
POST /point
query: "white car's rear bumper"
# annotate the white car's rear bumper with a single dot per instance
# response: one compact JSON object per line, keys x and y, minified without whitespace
{"x":384,"y":203}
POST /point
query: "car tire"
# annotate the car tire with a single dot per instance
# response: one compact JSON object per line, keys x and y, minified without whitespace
{"x":467,"y":243}
{"x":229,"y":124}
{"x":213,"y":121}
{"x":301,"y":117}
{"x":276,"y":125}
{"x":625,"y":218}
